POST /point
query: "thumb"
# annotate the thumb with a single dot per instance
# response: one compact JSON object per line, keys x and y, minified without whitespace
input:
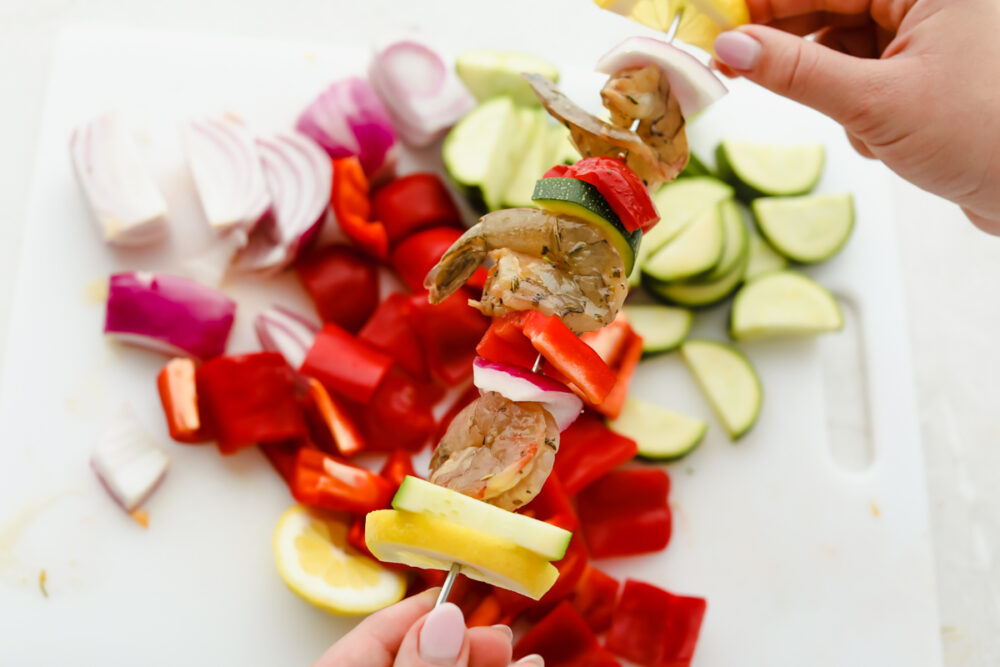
{"x":831,"y":82}
{"x":438,"y":639}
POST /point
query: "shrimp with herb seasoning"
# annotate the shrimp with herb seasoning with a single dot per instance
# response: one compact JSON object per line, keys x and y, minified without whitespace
{"x":539,"y":261}
{"x":497,"y":450}
{"x":656,"y":151}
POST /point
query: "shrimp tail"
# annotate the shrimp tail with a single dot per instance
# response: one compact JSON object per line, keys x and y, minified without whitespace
{"x":457,"y":265}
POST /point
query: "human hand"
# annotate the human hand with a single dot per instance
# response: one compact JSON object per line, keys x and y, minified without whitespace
{"x":410,"y":634}
{"x":915,"y":84}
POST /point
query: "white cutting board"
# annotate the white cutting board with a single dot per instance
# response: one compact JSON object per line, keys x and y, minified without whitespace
{"x":803,"y":562}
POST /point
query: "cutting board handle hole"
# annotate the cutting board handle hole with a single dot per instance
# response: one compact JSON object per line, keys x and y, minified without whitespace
{"x":846,"y":393}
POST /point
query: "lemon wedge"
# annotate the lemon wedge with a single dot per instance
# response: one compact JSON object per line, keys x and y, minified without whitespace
{"x":429,"y":542}
{"x":315,"y":561}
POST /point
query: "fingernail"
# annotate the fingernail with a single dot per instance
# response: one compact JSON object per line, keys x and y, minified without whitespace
{"x":506,"y":630}
{"x":738,"y":50}
{"x":442,"y":635}
{"x":533,"y":660}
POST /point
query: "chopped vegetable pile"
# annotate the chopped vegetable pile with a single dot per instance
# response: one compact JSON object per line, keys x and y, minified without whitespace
{"x":390,"y":371}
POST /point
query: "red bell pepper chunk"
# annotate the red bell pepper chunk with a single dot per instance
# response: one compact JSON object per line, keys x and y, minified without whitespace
{"x":342,"y":283}
{"x":571,"y":356}
{"x":250,"y":399}
{"x":414,"y":202}
{"x":400,"y":414}
{"x":397,"y":467}
{"x":351,"y":207}
{"x":345,"y":365}
{"x":612,"y":405}
{"x":626,"y":513}
{"x":571,"y":568}
{"x":390,"y":330}
{"x":609,"y":341}
{"x":416,"y":255}
{"x":587,"y":450}
{"x":337,"y":422}
{"x":179,"y":397}
{"x":594,"y":597}
{"x":624,"y":192}
{"x":563,"y":639}
{"x":552,"y":505}
{"x":324,"y":482}
{"x":654,"y":628}
{"x":282,"y":456}
{"x":449,"y":333}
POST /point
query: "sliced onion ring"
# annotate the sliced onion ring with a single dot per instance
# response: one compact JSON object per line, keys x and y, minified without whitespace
{"x":691,"y":82}
{"x":348,"y":118}
{"x":169,"y":314}
{"x":519,"y":384}
{"x":421,"y":92}
{"x":227,"y":172}
{"x":287,"y":333}
{"x":123,"y":198}
{"x":299,"y":176}
{"x":128,"y":463}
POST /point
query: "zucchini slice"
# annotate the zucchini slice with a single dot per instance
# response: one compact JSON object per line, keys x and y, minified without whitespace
{"x":476,"y":152}
{"x":662,"y":328}
{"x":784,"y":303}
{"x":582,"y":200}
{"x":660,"y":434}
{"x":760,"y":170}
{"x":737,"y":240}
{"x":763,"y":258}
{"x":806,"y":229}
{"x":489,"y":74}
{"x":534,"y":153}
{"x":729,"y":382}
{"x":698,"y":293}
{"x":678,"y":203}
{"x":422,"y":497}
{"x":694,"y":251}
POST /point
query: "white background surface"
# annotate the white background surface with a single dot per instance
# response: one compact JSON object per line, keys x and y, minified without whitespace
{"x":950,"y":272}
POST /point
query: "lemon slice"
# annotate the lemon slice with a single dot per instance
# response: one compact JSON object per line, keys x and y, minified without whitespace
{"x":701,"y":22}
{"x":432,"y":543}
{"x":314,"y":560}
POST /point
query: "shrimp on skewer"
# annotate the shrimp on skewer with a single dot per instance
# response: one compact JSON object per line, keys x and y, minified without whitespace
{"x":660,"y":123}
{"x":497,"y":450}
{"x":540,"y":261}
{"x":643,"y":94}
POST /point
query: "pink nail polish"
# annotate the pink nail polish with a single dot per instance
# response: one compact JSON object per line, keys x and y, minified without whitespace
{"x":738,"y":50}
{"x":533,"y":660}
{"x":443,"y":633}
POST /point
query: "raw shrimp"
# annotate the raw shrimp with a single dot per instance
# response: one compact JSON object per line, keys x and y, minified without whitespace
{"x":643,"y":94}
{"x":497,"y":450}
{"x":541,"y":261}
{"x":654,"y":164}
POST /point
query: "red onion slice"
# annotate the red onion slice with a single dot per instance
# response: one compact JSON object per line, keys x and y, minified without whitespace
{"x":692,"y":83}
{"x":519,"y":384}
{"x":168,"y":314}
{"x":227,"y":172}
{"x":128,"y":463}
{"x":421,"y":92}
{"x":124,"y":200}
{"x":348,"y":119}
{"x":288,"y":333}
{"x":299,"y":176}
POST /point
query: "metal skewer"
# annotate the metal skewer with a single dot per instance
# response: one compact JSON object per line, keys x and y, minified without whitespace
{"x":449,"y":581}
